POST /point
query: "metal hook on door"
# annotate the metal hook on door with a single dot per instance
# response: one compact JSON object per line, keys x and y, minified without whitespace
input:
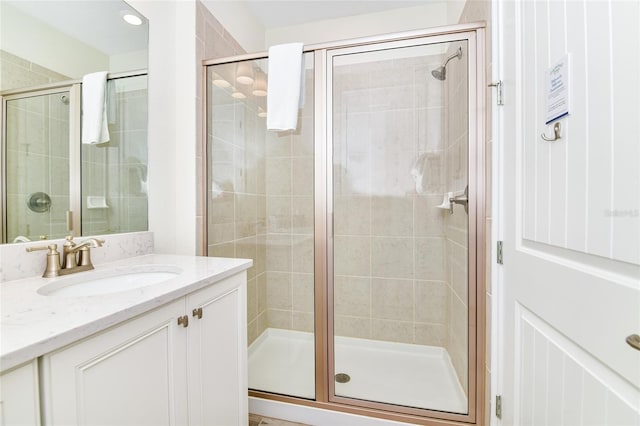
{"x":556,"y":133}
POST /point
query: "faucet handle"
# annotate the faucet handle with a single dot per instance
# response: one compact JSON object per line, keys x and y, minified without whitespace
{"x":53,"y":259}
{"x":53,"y":248}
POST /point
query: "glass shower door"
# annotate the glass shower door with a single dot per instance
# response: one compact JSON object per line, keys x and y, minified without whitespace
{"x":260,"y":206}
{"x":37,"y":165}
{"x":400,"y":145}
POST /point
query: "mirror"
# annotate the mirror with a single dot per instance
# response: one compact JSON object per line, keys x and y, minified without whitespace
{"x":52,"y":184}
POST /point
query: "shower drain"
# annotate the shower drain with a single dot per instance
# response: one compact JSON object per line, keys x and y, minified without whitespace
{"x":342,"y":378}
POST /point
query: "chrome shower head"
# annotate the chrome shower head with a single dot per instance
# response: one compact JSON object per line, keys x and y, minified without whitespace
{"x":440,"y":73}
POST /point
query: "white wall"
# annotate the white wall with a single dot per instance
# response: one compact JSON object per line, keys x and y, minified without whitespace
{"x":172,"y":118}
{"x":405,"y":19}
{"x":46,"y":46}
{"x":130,"y":61}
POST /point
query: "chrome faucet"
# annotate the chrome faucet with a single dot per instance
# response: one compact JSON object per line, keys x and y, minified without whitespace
{"x":75,"y":257}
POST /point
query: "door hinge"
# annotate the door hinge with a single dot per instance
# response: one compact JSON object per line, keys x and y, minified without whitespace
{"x":499,"y":252}
{"x":499,"y":85}
{"x":499,"y":406}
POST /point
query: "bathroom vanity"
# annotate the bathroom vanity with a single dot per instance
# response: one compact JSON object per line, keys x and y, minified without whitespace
{"x":166,"y":352}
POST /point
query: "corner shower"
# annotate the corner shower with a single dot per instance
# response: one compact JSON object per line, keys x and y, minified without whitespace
{"x":364,"y":294}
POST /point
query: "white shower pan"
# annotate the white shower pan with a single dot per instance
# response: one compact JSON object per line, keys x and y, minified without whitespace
{"x":282,"y":361}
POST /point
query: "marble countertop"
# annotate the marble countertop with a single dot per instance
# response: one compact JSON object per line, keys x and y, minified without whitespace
{"x":32,"y":325}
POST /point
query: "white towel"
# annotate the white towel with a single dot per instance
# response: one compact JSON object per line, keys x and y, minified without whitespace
{"x":95,"y":128}
{"x":285,"y":86}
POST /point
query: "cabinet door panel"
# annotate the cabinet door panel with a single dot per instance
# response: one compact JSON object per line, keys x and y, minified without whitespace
{"x":133,"y":374}
{"x":19,"y":398}
{"x":217,"y":354}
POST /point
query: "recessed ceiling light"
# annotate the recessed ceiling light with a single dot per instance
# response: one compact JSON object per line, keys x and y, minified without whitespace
{"x":221,"y":82}
{"x":131,"y":18}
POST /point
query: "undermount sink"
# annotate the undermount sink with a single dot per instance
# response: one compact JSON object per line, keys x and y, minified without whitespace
{"x":116,"y":280}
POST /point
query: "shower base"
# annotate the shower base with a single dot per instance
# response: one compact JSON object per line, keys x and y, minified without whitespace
{"x":282,"y":361}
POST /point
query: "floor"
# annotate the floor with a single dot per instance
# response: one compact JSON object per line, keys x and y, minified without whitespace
{"x":282,"y":361}
{"x":257,"y":420}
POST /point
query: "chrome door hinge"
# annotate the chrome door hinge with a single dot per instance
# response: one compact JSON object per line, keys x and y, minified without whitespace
{"x":499,"y":85}
{"x":499,"y":406}
{"x":499,"y":252}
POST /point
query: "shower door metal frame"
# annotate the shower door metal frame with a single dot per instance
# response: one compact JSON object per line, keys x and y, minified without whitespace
{"x":74,"y":89}
{"x":323,"y":222}
{"x":475,"y":221}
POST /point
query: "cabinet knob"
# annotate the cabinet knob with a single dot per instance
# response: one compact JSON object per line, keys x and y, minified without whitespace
{"x":183,"y":321}
{"x":197,"y":312}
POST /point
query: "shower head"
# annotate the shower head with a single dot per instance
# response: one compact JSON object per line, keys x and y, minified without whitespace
{"x":440,"y":73}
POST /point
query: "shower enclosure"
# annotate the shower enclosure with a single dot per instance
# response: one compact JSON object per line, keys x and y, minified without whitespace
{"x":362,"y":223}
{"x":52,"y":185}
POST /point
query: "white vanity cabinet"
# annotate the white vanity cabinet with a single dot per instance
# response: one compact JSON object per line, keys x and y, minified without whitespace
{"x":153,"y":370}
{"x":19,"y":397}
{"x":217,"y":355}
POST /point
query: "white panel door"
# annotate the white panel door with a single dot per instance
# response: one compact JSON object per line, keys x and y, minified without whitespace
{"x":569,"y":288}
{"x":217,"y":346}
{"x":133,"y":374}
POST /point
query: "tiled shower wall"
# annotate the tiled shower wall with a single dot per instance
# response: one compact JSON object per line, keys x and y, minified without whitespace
{"x":390,"y":280}
{"x":261,"y":207}
{"x":289,"y":211}
{"x":236,"y":195}
{"x":117,"y":170}
{"x":456,"y":156}
{"x":16,"y":72}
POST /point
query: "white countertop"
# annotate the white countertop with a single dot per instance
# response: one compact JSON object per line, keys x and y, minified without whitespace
{"x":32,"y":325}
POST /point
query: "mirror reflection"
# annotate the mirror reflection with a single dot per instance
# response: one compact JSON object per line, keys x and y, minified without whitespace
{"x":52,"y":184}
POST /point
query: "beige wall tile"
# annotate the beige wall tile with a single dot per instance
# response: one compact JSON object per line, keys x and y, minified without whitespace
{"x":392,"y":299}
{"x":392,"y":257}
{"x":352,"y":296}
{"x":392,"y":331}
{"x":352,"y":256}
{"x":246,"y":249}
{"x":261,"y":292}
{"x":279,"y":318}
{"x":278,"y":252}
{"x":392,"y":216}
{"x":252,"y":300}
{"x":431,"y":302}
{"x":349,"y":326}
{"x":303,"y":321}
{"x":428,"y":220}
{"x":302,"y":250}
{"x":430,"y":259}
{"x":279,"y":290}
{"x":352,"y":215}
{"x":430,"y":334}
{"x":302,"y":292}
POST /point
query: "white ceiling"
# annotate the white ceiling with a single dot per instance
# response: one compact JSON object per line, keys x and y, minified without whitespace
{"x":97,"y":23}
{"x":281,"y":13}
